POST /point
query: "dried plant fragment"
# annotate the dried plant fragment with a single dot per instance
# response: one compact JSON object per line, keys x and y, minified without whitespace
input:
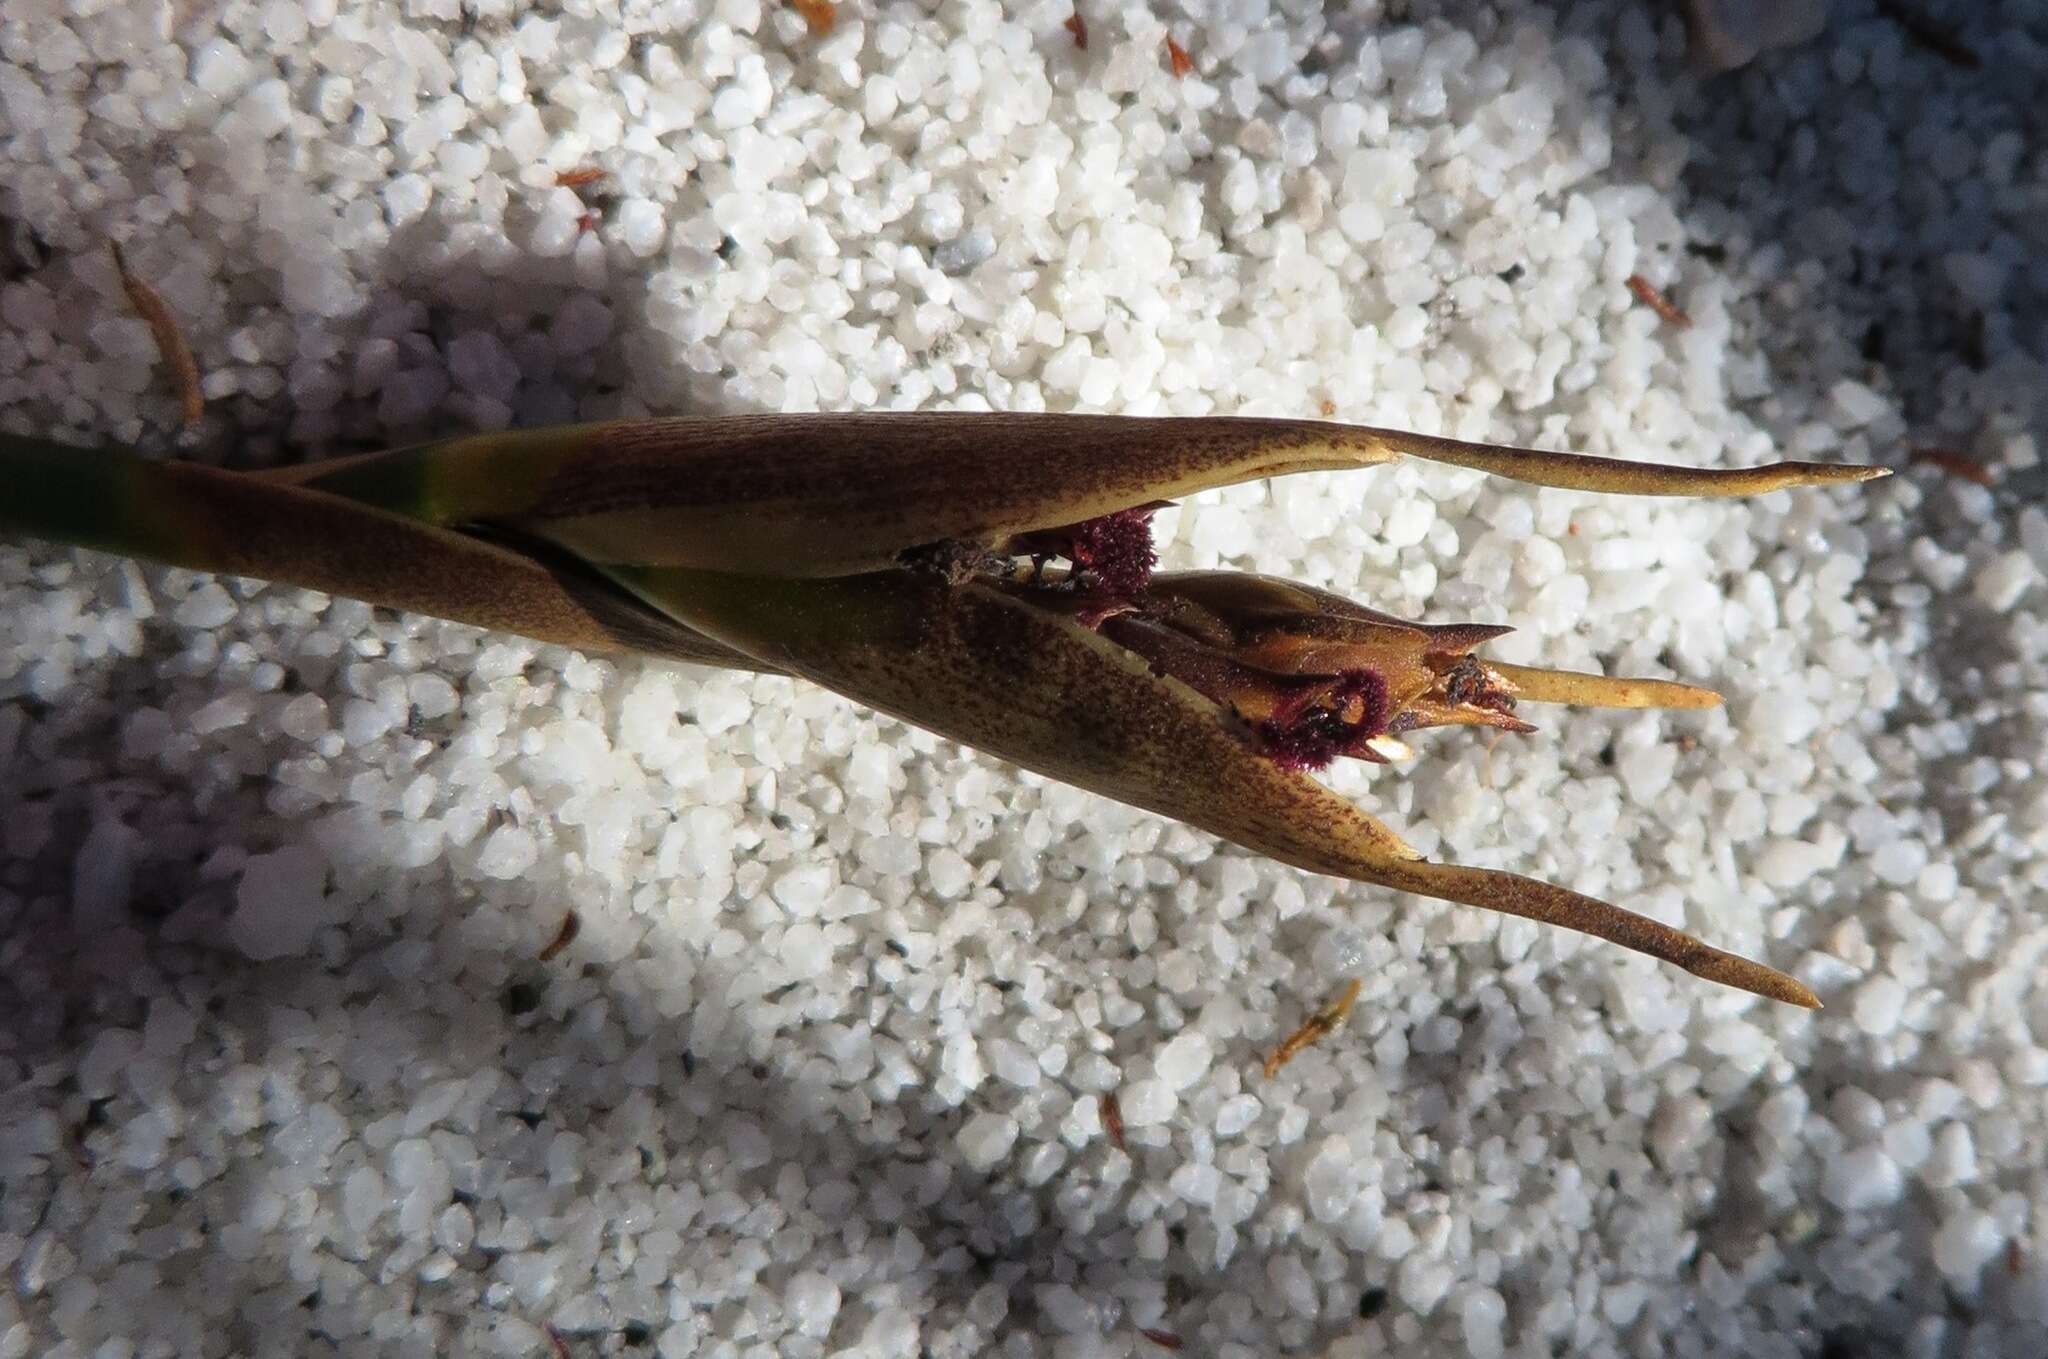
{"x":170,"y":341}
{"x":1931,"y":34}
{"x":1182,"y":65}
{"x":748,"y":493}
{"x":1113,"y":1120}
{"x":1077,"y":26}
{"x":820,"y":16}
{"x":1165,"y":1340}
{"x":1315,"y":1029}
{"x":1959,"y":465}
{"x":577,"y":179}
{"x":572,"y":925}
{"x":1667,"y":311}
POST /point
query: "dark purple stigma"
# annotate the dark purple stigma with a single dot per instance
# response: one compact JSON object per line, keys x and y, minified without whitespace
{"x":1310,"y":732}
{"x":1115,"y":550}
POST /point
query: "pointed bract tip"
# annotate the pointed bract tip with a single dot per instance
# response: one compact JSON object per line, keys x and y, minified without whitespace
{"x":1832,"y":473}
{"x":1797,"y":993}
{"x":1731,"y":969}
{"x":1458,"y":639}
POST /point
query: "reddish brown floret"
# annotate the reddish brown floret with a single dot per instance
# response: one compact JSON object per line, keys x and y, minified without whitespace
{"x":1311,"y":731}
{"x":1957,"y":465}
{"x":1315,"y":1028}
{"x":1667,"y":310}
{"x":1178,"y":59}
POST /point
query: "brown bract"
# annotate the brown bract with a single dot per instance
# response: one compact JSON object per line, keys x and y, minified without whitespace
{"x":825,"y":495}
{"x":1960,"y":465}
{"x":572,"y":924}
{"x":987,"y":577}
{"x":1667,"y":311}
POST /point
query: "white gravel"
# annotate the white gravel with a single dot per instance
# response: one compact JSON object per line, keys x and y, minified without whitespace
{"x":822,"y":1070}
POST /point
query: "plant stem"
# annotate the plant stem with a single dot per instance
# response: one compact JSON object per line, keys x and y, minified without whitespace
{"x":205,"y":519}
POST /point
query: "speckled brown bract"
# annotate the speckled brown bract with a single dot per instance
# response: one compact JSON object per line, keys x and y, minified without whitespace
{"x":820,"y":495}
{"x":806,"y":544}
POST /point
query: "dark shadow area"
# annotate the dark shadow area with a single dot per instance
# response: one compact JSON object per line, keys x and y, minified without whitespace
{"x":1931,"y":146}
{"x":387,"y":1000}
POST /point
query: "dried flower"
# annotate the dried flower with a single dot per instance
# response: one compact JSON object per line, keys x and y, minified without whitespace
{"x":908,"y":562}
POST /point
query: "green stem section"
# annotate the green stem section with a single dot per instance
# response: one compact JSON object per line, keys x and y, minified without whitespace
{"x":86,"y":497}
{"x":205,"y":519}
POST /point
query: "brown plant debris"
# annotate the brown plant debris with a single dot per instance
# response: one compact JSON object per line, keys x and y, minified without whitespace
{"x":1318,"y":1026}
